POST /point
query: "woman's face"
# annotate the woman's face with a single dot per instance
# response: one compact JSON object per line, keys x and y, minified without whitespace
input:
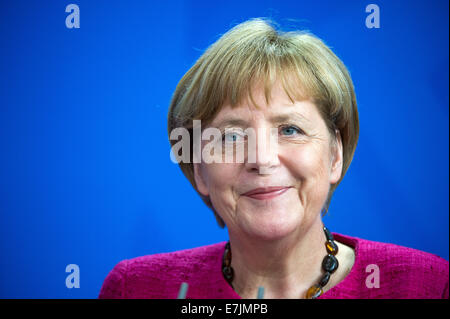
{"x":281,"y":189}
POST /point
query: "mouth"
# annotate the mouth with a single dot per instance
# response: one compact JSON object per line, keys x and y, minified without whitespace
{"x":266,"y":192}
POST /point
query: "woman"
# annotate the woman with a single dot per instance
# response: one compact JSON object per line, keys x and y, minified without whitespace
{"x":256,"y":86}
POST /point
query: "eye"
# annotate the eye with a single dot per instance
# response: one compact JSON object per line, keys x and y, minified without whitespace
{"x":232,"y":137}
{"x":289,"y":130}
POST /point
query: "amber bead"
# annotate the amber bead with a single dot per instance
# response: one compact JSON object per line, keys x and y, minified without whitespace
{"x":226,"y":262}
{"x":314,"y":292}
{"x":227,"y":259}
{"x":330,"y":263}
{"x":332,"y":248}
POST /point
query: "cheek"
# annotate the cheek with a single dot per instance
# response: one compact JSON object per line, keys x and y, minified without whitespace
{"x":308,"y":163}
{"x":308,"y":166}
{"x":217,"y":173}
{"x":219,"y":178}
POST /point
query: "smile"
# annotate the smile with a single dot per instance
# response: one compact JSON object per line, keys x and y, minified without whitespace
{"x":266,"y":192}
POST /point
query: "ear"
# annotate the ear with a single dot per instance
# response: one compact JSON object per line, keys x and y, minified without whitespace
{"x":336,"y":159}
{"x":199,"y":180}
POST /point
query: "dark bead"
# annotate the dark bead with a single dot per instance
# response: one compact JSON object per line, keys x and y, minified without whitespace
{"x":332,"y":248}
{"x":314,"y":292}
{"x":328,"y":234}
{"x":330,"y":263}
{"x":228,"y":273}
{"x":325,"y":279}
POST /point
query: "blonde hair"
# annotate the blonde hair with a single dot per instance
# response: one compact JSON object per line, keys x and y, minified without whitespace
{"x":254,"y":53}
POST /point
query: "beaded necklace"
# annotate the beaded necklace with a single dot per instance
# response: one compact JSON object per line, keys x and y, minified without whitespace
{"x":329,"y":265}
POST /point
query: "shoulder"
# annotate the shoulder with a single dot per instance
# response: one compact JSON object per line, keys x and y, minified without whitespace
{"x":160,"y":275}
{"x":400,"y":257}
{"x":403,"y":271}
{"x":182,"y":259}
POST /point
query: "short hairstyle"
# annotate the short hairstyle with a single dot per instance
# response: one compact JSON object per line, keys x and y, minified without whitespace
{"x":255,"y":52}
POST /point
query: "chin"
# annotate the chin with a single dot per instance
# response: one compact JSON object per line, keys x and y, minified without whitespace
{"x":272,"y":226}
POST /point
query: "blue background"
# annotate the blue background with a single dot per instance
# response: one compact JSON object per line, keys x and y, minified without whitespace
{"x":85,"y":172}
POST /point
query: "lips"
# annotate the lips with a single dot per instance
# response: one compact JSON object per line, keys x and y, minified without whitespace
{"x":266,"y":192}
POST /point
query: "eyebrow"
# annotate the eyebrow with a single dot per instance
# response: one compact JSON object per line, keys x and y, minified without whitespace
{"x":232,"y":122}
{"x":280,"y":118}
{"x":288,"y":117}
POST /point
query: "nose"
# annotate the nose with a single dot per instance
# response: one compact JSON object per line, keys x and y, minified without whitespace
{"x":263,"y":151}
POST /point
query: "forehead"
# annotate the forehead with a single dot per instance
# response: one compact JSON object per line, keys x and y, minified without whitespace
{"x":278,"y":109}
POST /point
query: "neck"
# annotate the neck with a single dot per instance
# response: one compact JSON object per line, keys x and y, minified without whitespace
{"x":286,"y":268}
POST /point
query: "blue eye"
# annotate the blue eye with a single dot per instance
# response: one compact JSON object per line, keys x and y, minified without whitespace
{"x":289,"y":130}
{"x":231,"y":137}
